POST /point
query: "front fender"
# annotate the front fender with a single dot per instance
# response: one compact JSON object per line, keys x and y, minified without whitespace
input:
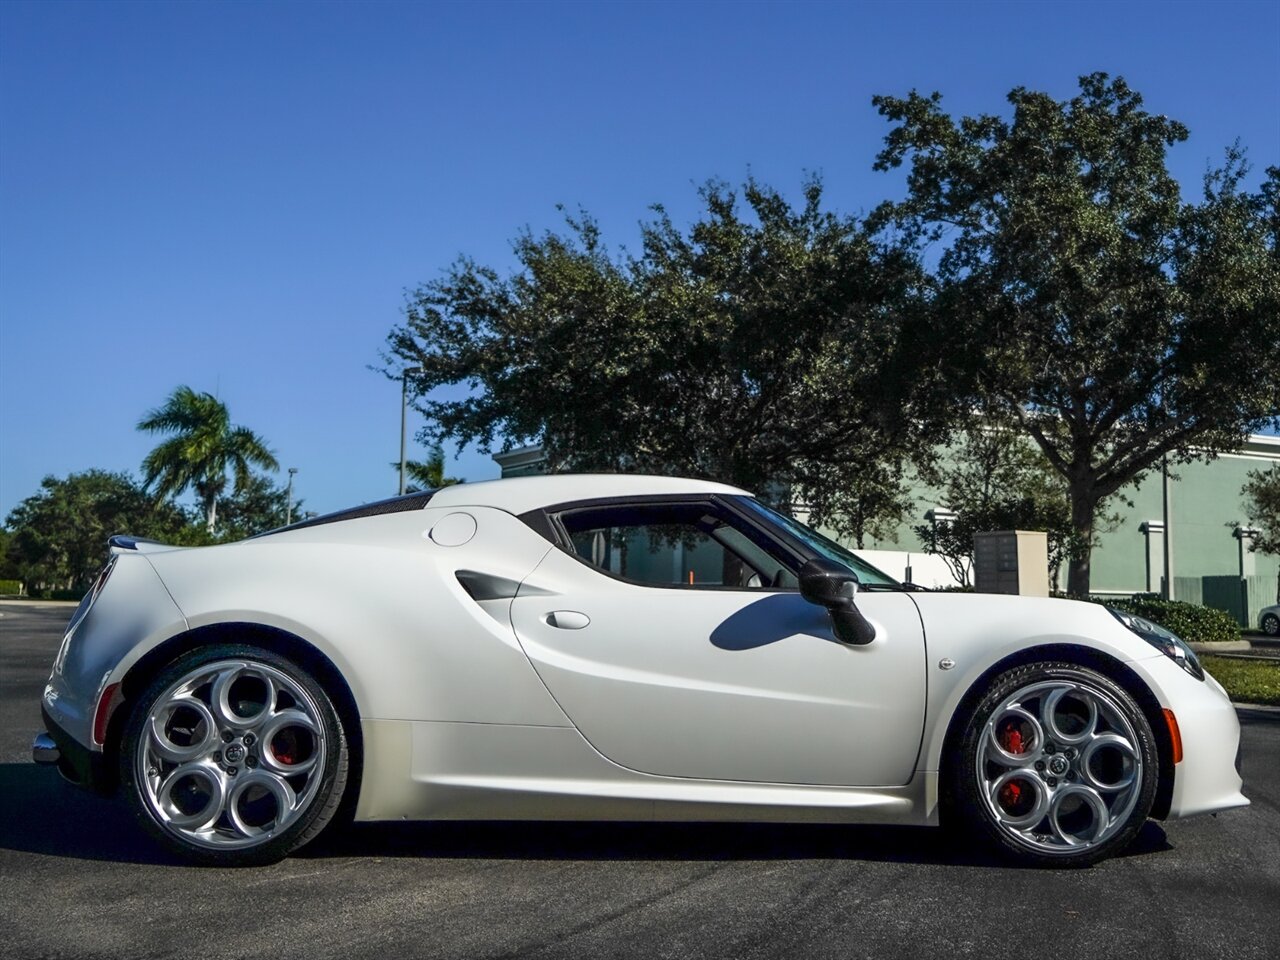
{"x":975,"y":632}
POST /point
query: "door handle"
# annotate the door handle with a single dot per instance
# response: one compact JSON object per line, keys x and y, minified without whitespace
{"x":567,"y":619}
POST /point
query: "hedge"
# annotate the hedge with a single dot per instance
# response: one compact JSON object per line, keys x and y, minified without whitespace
{"x":1190,"y":621}
{"x":10,"y":588}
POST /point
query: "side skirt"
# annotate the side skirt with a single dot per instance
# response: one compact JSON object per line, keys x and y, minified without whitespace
{"x":477,"y":771}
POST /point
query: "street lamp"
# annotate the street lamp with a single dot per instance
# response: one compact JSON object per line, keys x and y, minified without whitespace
{"x":288,"y":510}
{"x":1167,"y":591}
{"x":404,"y":413}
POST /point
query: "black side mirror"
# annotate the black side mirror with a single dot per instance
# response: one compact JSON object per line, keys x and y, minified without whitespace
{"x":830,"y":585}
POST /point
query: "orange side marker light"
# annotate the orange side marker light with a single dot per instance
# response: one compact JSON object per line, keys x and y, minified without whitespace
{"x":107,"y":703}
{"x":1175,"y":736}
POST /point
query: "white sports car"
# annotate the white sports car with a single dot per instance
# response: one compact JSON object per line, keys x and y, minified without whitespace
{"x":613,"y":648}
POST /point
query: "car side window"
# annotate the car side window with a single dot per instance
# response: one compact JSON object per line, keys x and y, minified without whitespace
{"x":679,"y":544}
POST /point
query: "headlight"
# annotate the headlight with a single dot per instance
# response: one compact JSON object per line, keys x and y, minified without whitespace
{"x":1167,"y":642}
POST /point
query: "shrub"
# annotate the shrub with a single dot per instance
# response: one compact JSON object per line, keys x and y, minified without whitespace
{"x":1190,"y":621}
{"x":10,"y":588}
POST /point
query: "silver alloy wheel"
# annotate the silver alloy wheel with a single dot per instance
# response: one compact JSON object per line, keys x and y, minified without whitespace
{"x":231,"y":754}
{"x":1271,"y":625}
{"x":1059,"y":767}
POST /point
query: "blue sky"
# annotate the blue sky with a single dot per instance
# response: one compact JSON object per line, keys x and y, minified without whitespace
{"x":235,"y":196}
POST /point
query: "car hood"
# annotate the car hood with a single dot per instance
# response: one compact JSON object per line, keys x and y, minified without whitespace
{"x":987,"y":619}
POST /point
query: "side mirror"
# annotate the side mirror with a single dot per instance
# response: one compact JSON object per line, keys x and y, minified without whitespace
{"x":830,"y":585}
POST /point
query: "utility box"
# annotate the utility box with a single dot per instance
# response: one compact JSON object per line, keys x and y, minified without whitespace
{"x":1011,"y":561}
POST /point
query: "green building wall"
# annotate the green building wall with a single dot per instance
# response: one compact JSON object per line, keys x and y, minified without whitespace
{"x":1206,"y":507}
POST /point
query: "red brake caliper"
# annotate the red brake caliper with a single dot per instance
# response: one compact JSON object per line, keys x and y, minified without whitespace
{"x":285,"y":755}
{"x":1010,"y":794}
{"x":1011,"y":740}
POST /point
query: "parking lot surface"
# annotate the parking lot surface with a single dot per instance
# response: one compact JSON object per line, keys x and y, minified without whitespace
{"x":79,"y":879}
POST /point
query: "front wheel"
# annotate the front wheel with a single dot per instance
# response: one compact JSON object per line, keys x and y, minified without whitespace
{"x":1271,"y":625}
{"x":233,"y":756}
{"x":1058,"y":765}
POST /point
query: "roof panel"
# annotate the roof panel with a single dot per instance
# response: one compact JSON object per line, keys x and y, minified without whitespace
{"x":518,"y":494}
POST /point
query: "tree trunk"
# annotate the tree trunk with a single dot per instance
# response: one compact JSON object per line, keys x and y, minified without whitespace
{"x":211,"y":513}
{"x":1083,"y":507}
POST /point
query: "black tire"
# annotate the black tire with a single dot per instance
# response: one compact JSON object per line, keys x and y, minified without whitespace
{"x":299,"y":727}
{"x":1271,"y":625}
{"x":985,"y":809}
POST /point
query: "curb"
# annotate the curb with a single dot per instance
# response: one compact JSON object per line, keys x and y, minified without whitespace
{"x":1257,"y":711}
{"x":1222,"y":646}
{"x":38,"y":603}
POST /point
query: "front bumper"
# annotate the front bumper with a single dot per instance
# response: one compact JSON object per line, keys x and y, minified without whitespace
{"x":1208,"y":778}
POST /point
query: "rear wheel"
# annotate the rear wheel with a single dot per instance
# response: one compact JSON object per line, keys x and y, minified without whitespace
{"x":1058,"y":765}
{"x":234,"y":756}
{"x":1271,"y":625}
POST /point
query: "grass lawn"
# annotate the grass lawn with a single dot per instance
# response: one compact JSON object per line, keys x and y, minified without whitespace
{"x":1248,"y":681}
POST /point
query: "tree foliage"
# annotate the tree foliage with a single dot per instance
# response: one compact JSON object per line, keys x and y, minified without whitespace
{"x":259,"y":505}
{"x":1113,"y":320}
{"x":995,"y":478}
{"x":58,"y":536}
{"x":204,"y":445}
{"x":1262,"y":505}
{"x":427,"y":474}
{"x":780,"y":348}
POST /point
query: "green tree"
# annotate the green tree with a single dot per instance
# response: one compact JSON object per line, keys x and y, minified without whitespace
{"x":9,"y":569}
{"x":863,"y":500}
{"x":204,"y":446}
{"x":1262,"y":505}
{"x":58,"y":536}
{"x":997,"y":479}
{"x":1113,"y":321}
{"x":427,"y":474}
{"x":779,"y":348}
{"x":255,"y":507}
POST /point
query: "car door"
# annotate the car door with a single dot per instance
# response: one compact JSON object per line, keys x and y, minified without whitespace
{"x":672,"y":635}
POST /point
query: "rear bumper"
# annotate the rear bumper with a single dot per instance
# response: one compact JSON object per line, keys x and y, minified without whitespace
{"x":76,"y":762}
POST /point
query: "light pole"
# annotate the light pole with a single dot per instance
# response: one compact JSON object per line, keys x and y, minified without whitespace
{"x":1167,"y":591}
{"x":288,"y":509}
{"x":404,"y":415}
{"x":1247,"y":567}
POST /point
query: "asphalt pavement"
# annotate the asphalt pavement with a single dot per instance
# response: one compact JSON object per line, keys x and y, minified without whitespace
{"x":79,"y":879}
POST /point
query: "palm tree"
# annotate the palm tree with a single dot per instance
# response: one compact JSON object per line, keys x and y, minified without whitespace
{"x":427,"y":474}
{"x":204,"y":446}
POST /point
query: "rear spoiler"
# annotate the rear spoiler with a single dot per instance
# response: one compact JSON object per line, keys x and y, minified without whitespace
{"x":120,"y":543}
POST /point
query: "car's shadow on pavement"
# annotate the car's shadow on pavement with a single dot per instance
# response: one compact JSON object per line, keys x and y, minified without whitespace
{"x":46,"y":816}
{"x":672,"y":841}
{"x":43,"y":814}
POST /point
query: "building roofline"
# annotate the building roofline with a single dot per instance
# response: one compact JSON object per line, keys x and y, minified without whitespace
{"x":520,"y":456}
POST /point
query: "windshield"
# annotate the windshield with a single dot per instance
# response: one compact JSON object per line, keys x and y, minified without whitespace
{"x":867,"y":574}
